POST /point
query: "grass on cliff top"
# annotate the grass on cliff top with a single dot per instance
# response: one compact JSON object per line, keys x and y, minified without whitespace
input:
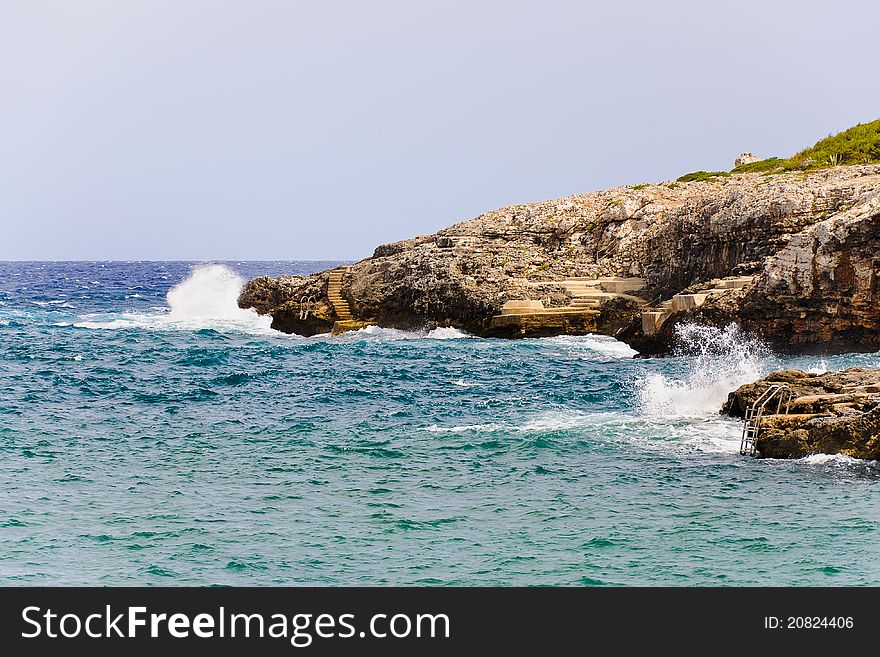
{"x":702,"y":176}
{"x":858,"y":145}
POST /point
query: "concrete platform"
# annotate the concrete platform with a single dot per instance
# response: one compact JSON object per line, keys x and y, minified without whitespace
{"x":685,"y":302}
{"x":521,"y":306}
{"x":559,"y":321}
{"x":343,"y":326}
{"x":652,"y":320}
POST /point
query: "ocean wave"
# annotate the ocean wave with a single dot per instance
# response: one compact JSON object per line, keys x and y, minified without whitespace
{"x":841,"y":464}
{"x":206,"y":299}
{"x":820,"y":368}
{"x":556,"y":420}
{"x":447,"y":333}
{"x":590,"y":345}
{"x":836,"y":459}
{"x":380,"y":334}
{"x":716,"y":434}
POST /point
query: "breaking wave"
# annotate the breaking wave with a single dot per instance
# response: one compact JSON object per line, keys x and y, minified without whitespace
{"x":820,"y":368}
{"x":718,"y":361}
{"x":380,"y":334}
{"x":206,"y":299}
{"x":589,"y":346}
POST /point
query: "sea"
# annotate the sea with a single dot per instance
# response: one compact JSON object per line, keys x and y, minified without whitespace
{"x":153,"y":433}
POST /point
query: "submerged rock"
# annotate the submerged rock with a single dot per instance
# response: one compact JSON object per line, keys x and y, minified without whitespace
{"x":831,"y":413}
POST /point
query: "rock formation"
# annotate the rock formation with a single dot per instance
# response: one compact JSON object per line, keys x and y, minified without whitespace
{"x":745,"y":158}
{"x":790,"y":256}
{"x":832,"y":413}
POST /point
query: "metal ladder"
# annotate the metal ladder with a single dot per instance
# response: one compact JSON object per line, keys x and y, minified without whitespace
{"x":752,"y":420}
{"x":307,"y":305}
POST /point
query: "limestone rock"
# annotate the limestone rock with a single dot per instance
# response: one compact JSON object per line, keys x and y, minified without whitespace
{"x":808,"y":390}
{"x":831,"y":413}
{"x":745,"y":158}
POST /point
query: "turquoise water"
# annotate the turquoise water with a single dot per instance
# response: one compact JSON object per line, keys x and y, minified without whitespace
{"x":179,"y":440}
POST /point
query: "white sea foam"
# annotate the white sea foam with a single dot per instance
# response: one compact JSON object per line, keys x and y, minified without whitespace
{"x":591,"y":345}
{"x":446,"y":333}
{"x":380,"y":334}
{"x":461,"y":428}
{"x":207,"y":298}
{"x":819,"y":368}
{"x":555,"y":420}
{"x":836,"y":459}
{"x":652,"y":434}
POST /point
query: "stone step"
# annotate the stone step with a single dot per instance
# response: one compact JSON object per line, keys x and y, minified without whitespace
{"x":686,"y":302}
{"x":736,"y":282}
{"x":334,"y":295}
{"x":652,"y":320}
{"x":593,"y":294}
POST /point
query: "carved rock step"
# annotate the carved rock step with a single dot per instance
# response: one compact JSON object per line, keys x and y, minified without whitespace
{"x":334,"y":295}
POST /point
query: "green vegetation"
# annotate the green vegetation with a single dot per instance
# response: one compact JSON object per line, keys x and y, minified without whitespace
{"x":642,"y":186}
{"x":703,"y":176}
{"x":858,"y":145}
{"x":770,"y":165}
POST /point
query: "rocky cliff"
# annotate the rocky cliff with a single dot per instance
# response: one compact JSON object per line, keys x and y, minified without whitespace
{"x":808,"y":239}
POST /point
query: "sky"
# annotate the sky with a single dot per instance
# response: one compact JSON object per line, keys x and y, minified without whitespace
{"x":288,"y":130}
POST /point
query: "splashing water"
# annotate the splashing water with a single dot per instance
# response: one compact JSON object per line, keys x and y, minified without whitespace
{"x":380,"y":334}
{"x":446,"y":333}
{"x":719,"y":361}
{"x":209,"y":292}
{"x":207,"y":298}
{"x":821,"y":368}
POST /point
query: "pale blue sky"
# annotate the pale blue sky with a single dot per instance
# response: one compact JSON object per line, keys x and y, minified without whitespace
{"x":263,"y":129}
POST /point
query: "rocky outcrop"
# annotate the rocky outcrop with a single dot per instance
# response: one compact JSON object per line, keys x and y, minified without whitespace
{"x":286,"y":298}
{"x":745,"y":158}
{"x":831,"y":413}
{"x":806,"y":238}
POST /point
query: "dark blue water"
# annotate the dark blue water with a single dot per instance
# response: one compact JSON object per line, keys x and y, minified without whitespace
{"x":147,"y":439}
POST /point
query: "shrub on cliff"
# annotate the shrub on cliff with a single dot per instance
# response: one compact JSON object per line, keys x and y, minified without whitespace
{"x":858,"y":145}
{"x":702,"y":176}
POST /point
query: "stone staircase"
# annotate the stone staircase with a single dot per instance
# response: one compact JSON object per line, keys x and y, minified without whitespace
{"x":591,"y":292}
{"x":529,"y":318}
{"x":334,"y":294}
{"x":587,"y":294}
{"x":653,"y":319}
